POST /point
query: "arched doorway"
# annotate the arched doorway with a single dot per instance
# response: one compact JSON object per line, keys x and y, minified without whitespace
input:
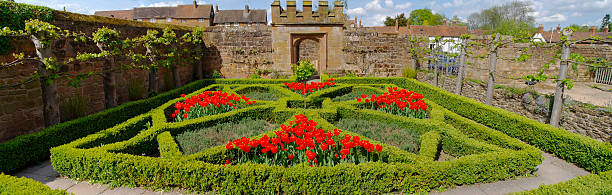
{"x":312,"y":46}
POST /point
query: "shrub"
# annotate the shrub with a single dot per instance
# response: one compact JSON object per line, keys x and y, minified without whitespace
{"x":208,"y":103}
{"x":409,"y":72}
{"x":19,"y":186}
{"x":588,"y":184}
{"x":75,"y":106}
{"x":303,"y":70}
{"x":254,"y":76}
{"x":216,"y":74}
{"x":135,"y":89}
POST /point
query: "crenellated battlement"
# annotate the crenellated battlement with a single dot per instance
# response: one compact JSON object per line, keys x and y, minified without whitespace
{"x":292,"y":15}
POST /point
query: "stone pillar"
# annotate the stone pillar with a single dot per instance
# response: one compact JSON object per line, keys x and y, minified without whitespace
{"x":276,"y":12}
{"x":307,"y":13}
{"x":291,"y":11}
{"x":338,"y":11}
{"x":323,"y":9}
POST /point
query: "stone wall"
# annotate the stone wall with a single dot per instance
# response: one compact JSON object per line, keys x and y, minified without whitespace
{"x":369,"y":53}
{"x":592,"y":122}
{"x":510,"y":71}
{"x":238,"y":52}
{"x":309,"y":49}
{"x":21,"y":106}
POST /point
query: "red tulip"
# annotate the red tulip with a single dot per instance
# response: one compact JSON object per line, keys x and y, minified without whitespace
{"x":290,"y":156}
{"x":310,"y":155}
{"x":229,"y":145}
{"x":378,"y":147}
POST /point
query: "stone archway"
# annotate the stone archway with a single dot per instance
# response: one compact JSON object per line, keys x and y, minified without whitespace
{"x":320,"y":38}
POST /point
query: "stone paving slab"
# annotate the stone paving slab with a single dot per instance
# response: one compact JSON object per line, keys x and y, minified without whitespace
{"x":83,"y":188}
{"x":123,"y":191}
{"x":60,"y":183}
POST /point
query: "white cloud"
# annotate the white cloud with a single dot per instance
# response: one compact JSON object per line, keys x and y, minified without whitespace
{"x":403,"y":6}
{"x":163,"y":4}
{"x":356,"y":12}
{"x":552,"y":18}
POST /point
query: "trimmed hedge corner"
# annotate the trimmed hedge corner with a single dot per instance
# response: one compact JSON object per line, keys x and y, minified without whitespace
{"x":19,"y":186}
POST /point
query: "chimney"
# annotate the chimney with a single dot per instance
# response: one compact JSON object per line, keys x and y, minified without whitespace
{"x":541,"y":28}
{"x":444,"y":22}
{"x":593,"y":29}
{"x":559,"y":28}
{"x":605,"y":30}
{"x":246,"y":9}
{"x":360,"y":23}
{"x":454,"y":23}
{"x":195,"y":3}
{"x":217,"y":8}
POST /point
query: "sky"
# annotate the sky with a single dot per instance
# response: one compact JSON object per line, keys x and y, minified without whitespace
{"x":373,"y":12}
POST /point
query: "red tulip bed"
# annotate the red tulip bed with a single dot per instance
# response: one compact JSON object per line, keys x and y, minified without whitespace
{"x":398,"y":102}
{"x":302,"y":142}
{"x":307,"y":89}
{"x":208,"y":103}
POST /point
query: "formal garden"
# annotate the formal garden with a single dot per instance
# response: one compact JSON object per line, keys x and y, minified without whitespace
{"x":387,"y":138}
{"x":300,"y":135}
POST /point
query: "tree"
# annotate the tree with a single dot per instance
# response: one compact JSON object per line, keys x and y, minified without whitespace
{"x":579,"y":28}
{"x":195,"y":40}
{"x":605,"y":22}
{"x":516,"y":13}
{"x":110,"y":45}
{"x":402,"y":20}
{"x":152,"y":59}
{"x":43,"y":35}
{"x":425,"y":17}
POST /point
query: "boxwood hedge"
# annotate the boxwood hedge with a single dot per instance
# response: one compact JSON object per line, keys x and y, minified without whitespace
{"x":114,"y":156}
{"x":19,"y":186}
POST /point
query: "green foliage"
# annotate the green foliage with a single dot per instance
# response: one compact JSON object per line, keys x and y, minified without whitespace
{"x":14,"y":16}
{"x":605,"y":22}
{"x":135,"y":89}
{"x":303,"y":70}
{"x":24,"y":186}
{"x":75,"y":106}
{"x":515,"y":28}
{"x":216,"y":74}
{"x":425,"y":17}
{"x":409,"y":72}
{"x":356,"y":93}
{"x":402,"y":20}
{"x":589,"y":184}
{"x":192,"y":142}
{"x":388,"y":133}
{"x":254,"y":76}
{"x":502,"y":17}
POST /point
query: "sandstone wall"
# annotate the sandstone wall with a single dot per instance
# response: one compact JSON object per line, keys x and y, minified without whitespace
{"x":369,"y":53}
{"x":509,"y":72}
{"x":21,"y":106}
{"x":238,"y":52}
